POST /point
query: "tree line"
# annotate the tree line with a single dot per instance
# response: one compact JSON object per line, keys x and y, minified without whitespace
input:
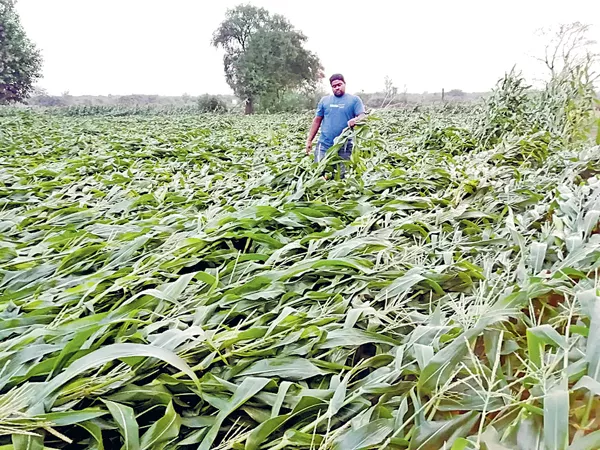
{"x":208,"y":103}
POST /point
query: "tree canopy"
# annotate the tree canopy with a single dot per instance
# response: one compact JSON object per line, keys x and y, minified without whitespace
{"x":20,"y":61}
{"x":264,"y":55}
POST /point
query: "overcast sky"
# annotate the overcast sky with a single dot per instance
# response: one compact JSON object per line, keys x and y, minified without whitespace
{"x":163,"y":47}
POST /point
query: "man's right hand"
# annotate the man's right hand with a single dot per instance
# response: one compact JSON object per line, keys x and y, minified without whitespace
{"x":308,"y":148}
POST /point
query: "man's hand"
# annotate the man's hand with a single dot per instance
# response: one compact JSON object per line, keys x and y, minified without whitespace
{"x":308,"y":147}
{"x":353,"y":121}
{"x":312,"y":133}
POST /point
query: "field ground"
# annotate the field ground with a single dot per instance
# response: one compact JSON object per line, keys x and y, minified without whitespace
{"x":194,"y":282}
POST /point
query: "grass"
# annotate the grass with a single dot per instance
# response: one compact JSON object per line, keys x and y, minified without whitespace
{"x":193,"y":281}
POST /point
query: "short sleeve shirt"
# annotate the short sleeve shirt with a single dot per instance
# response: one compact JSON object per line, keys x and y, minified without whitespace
{"x":336,"y":112}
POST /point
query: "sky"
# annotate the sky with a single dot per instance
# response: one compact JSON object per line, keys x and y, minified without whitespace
{"x":121,"y":47}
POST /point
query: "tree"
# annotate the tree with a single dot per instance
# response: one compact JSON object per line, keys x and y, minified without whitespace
{"x":20,"y":61}
{"x":389,"y":91}
{"x":457,"y":93}
{"x":264,"y":55}
{"x":568,"y":46}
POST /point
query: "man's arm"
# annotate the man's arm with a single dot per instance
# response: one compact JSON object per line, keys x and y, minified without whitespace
{"x":313,"y":132}
{"x":359,"y":112}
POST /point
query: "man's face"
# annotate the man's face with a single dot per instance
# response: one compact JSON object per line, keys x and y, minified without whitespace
{"x":338,"y":87}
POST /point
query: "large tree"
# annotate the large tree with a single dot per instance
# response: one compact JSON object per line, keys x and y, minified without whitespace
{"x":264,"y":55}
{"x":20,"y":61}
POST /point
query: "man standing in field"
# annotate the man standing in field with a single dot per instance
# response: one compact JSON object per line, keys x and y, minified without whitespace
{"x":335,"y":112}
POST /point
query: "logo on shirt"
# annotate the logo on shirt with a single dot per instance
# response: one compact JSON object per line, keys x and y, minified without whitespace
{"x":337,"y":105}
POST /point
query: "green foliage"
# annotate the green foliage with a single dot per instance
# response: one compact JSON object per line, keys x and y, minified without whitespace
{"x":506,"y":110}
{"x":566,"y":105}
{"x":185,"y":281}
{"x":264,"y":55}
{"x":211,"y":104}
{"x":560,"y":114}
{"x":20,"y":61}
{"x":289,"y":101}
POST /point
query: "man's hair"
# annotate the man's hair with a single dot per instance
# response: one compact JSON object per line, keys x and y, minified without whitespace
{"x":336,"y":76}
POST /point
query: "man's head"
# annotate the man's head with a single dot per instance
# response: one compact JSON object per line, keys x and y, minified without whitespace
{"x":338,"y":84}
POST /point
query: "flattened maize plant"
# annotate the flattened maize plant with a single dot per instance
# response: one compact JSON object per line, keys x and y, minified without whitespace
{"x":193,"y":282}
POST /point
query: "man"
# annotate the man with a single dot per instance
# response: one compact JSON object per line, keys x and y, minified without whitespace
{"x":335,"y":112}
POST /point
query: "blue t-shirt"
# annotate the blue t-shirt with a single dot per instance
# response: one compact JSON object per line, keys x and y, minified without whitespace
{"x":336,"y":112}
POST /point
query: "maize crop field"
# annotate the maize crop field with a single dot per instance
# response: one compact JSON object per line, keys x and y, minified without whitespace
{"x":193,"y":281}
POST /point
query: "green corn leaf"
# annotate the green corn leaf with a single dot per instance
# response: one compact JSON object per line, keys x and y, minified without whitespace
{"x":124,"y":416}
{"x":288,"y":368}
{"x":538,"y":338}
{"x":163,"y":431}
{"x":371,"y":434}
{"x":592,"y":355}
{"x":445,"y":361}
{"x":283,"y":390}
{"x":72,"y":417}
{"x":588,"y":442}
{"x":270,"y":426}
{"x":245,"y":391}
{"x":556,"y":417}
{"x":437,"y":434}
{"x":27,"y":442}
{"x":355,"y":337}
{"x":95,"y":432}
{"x":110,"y":353}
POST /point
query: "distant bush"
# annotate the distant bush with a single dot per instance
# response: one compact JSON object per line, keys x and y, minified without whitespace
{"x":211,"y":104}
{"x":289,"y":102}
{"x":457,"y":93}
